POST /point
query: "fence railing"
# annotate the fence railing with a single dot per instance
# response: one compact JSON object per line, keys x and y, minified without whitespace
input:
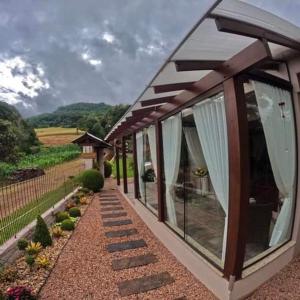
{"x":21,"y":202}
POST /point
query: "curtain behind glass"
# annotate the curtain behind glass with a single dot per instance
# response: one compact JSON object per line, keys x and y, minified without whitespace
{"x":211,"y":126}
{"x":140,"y":162}
{"x":172,"y":133}
{"x":276,"y":111}
{"x":194,"y":147}
{"x":152,"y":143}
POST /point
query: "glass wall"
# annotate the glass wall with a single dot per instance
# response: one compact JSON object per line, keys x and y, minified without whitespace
{"x":147,"y":170}
{"x":196,"y":176}
{"x":272,"y":159}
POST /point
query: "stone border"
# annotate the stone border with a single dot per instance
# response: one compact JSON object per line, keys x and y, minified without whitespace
{"x":9,"y":251}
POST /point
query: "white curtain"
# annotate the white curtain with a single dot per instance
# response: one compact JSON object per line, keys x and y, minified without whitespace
{"x":140,"y":161}
{"x":172,"y":133}
{"x":194,"y":147}
{"x":152,"y":143}
{"x":211,"y":126}
{"x":276,"y":112}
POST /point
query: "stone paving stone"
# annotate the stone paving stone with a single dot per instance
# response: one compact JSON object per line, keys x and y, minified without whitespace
{"x":120,"y":233}
{"x":114,"y":215}
{"x":126,"y":245}
{"x":112,"y":208}
{"x":110,"y":203}
{"x":117,"y":223}
{"x":108,"y":200}
{"x":144,"y":284}
{"x":135,"y":261}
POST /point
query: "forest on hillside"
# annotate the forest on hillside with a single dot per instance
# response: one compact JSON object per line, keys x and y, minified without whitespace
{"x":97,"y":118}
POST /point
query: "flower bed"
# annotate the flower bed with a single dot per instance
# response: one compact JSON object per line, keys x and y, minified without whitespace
{"x":29,"y":272}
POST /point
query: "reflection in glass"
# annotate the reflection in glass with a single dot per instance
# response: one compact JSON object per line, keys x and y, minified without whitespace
{"x":272,"y":167}
{"x":140,"y":164}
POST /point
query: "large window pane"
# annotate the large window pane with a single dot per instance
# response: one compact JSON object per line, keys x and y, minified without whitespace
{"x":150,"y":169}
{"x":272,"y":168}
{"x":140,"y":164}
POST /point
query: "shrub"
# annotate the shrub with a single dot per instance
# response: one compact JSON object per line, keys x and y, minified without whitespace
{"x":42,"y":233}
{"x":107,"y":169}
{"x":83,"y":190}
{"x":74,"y":212}
{"x":33,"y":248}
{"x":61,"y":215}
{"x":30,"y":260}
{"x":70,"y":204}
{"x":57,"y":231}
{"x":80,"y":194}
{"x":68,"y":225}
{"x":92,"y":179}
{"x":19,"y":292}
{"x":22,"y":244}
{"x":83,"y":200}
{"x":8,"y":274}
{"x":43,"y":261}
{"x":75,"y":199}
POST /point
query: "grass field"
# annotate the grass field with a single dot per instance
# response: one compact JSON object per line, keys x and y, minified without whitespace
{"x":54,"y":136}
{"x":129,"y":163}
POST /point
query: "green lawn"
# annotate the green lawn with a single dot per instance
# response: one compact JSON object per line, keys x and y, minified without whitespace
{"x":13,"y":223}
{"x":129,"y":163}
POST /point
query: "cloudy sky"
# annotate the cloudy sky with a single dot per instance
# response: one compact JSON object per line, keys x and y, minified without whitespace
{"x":59,"y":52}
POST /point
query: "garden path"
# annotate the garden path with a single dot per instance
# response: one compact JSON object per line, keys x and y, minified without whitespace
{"x":113,"y":255}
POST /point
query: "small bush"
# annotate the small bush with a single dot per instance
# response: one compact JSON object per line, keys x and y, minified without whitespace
{"x":42,"y":233}
{"x":19,"y":292}
{"x":74,"y":212}
{"x":107,"y":169}
{"x":70,"y":204}
{"x":83,"y":200}
{"x":33,"y":248}
{"x":57,"y":231}
{"x":43,"y":261}
{"x":61,"y":215}
{"x":30,"y":260}
{"x":80,"y":194}
{"x":75,"y":199}
{"x":8,"y":274}
{"x":92,"y":180}
{"x":83,"y":190}
{"x":22,"y":244}
{"x":68,"y":225}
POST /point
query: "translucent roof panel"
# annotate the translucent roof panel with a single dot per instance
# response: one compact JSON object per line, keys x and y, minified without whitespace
{"x":207,"y":43}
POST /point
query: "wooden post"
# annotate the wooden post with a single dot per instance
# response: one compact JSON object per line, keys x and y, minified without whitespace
{"x":117,"y":163}
{"x":237,"y":129}
{"x":160,"y":184}
{"x":136,"y":176}
{"x":125,"y":186}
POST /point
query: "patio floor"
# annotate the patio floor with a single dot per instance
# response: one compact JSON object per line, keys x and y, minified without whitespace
{"x":113,"y":255}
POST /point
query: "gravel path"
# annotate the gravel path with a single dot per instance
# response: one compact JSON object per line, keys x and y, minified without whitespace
{"x":84,"y":269}
{"x":283,"y":286}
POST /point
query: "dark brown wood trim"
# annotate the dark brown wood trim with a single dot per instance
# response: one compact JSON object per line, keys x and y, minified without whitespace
{"x":117,"y":164}
{"x":135,"y":168}
{"x":163,"y":88}
{"x":124,"y":165}
{"x":160,"y":181}
{"x":242,"y":28}
{"x":237,"y":129}
{"x":197,"y":65}
{"x":156,"y":101}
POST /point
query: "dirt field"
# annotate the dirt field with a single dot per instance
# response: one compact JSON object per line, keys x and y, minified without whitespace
{"x":54,"y":136}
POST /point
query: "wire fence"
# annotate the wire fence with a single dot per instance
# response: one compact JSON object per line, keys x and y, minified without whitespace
{"x":21,"y":202}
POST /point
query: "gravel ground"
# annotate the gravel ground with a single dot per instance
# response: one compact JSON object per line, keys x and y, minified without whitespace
{"x":84,"y":270}
{"x":283,"y":286}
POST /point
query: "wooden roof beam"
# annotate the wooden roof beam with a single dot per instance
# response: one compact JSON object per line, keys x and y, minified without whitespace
{"x":144,"y":111}
{"x":197,"y":65}
{"x":156,"y":101}
{"x":237,"y":27}
{"x":164,"y":88}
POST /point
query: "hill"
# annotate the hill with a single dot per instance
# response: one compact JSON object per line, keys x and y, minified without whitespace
{"x":96,"y":118}
{"x":16,"y":135}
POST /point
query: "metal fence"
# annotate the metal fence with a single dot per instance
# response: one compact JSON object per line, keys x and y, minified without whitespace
{"x":21,"y":202}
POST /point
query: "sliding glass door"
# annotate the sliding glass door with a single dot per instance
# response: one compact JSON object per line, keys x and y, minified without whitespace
{"x":196,"y":176}
{"x":272,"y":156}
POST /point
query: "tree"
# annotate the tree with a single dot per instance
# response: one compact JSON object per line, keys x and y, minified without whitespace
{"x":9,"y":151}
